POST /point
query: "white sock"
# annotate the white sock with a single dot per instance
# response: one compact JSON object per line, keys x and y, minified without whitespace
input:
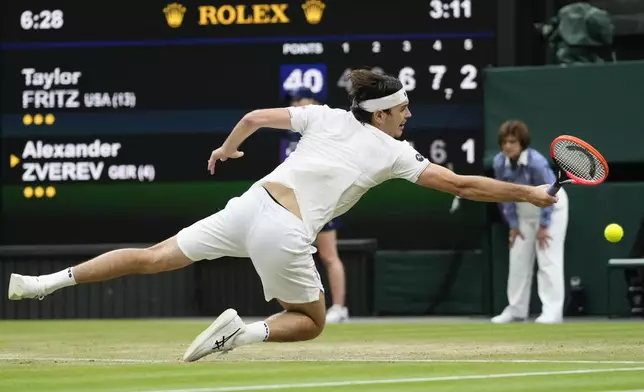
{"x":58,"y":280}
{"x":254,"y":333}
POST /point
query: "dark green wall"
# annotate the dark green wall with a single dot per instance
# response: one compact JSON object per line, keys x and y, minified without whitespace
{"x":602,"y":104}
{"x":410,"y":282}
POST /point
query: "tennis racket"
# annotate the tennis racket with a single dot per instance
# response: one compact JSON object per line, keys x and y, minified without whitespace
{"x":577,"y":162}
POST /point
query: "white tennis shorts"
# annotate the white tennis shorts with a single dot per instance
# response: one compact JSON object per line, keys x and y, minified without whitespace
{"x":254,"y":225}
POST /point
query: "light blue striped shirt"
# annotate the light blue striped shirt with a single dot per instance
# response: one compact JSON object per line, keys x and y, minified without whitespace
{"x":531,"y":168}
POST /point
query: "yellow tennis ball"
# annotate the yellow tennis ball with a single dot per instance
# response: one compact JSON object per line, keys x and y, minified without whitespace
{"x":613,"y":232}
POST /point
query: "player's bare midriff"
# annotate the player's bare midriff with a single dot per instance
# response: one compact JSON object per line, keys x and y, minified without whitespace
{"x":285,"y":196}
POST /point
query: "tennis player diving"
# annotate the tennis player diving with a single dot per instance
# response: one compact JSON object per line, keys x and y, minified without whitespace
{"x":341,"y":155}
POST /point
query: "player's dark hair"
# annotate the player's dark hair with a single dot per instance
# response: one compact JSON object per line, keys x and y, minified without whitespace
{"x":517,"y":129}
{"x":365,"y":85}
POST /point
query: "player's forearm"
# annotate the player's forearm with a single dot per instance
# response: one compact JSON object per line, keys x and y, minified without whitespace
{"x":278,"y":118}
{"x":244,"y":128}
{"x":480,"y":188}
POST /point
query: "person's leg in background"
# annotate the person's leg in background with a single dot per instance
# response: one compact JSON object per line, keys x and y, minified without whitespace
{"x":522,"y":256}
{"x":327,"y":245}
{"x":550,"y":276}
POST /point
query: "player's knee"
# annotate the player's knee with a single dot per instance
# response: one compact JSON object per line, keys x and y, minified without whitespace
{"x":315,"y":311}
{"x":317,"y":331}
{"x":316,"y":328}
{"x":319,"y":321}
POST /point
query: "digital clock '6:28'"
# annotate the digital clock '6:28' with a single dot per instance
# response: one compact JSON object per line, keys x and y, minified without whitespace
{"x":43,"y":20}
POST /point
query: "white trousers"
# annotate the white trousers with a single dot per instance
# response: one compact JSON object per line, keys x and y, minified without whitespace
{"x":550,"y":261}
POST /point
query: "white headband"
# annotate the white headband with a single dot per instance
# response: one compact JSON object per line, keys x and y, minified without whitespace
{"x":384,"y":103}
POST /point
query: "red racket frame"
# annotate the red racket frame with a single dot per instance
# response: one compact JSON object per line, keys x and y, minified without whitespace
{"x":591,"y":149}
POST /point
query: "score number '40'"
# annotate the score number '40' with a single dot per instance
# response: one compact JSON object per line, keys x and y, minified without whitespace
{"x":311,"y":78}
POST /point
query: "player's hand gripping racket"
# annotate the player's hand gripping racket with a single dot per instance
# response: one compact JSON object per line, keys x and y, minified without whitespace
{"x":578,"y":163}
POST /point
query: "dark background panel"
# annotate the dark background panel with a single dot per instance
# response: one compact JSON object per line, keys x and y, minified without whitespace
{"x":183,"y":192}
{"x":180,"y":91}
{"x":398,"y":214}
{"x":145,"y":19}
{"x":175,"y":157}
{"x":233,"y":76}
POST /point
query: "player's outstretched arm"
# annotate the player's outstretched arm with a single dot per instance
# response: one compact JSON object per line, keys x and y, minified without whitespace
{"x":278,"y":118}
{"x":481,"y":188}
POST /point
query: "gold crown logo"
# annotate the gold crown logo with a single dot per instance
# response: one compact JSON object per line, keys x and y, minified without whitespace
{"x":174,"y":14}
{"x":313,"y":10}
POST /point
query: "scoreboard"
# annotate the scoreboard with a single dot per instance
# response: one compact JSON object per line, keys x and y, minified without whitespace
{"x":144,"y":55}
{"x":126,"y":98}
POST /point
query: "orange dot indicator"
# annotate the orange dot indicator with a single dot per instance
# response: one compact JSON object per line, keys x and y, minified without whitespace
{"x":39,"y":192}
{"x":27,"y":119}
{"x":38,"y":119}
{"x":50,"y":119}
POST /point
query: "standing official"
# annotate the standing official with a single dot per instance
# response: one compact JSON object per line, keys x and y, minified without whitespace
{"x":533,"y":230}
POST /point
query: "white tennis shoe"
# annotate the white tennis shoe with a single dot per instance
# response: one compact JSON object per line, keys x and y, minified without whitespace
{"x":22,"y":287}
{"x":218,"y":337}
{"x":337,"y":314}
{"x":546,"y":319}
{"x":505,"y":318}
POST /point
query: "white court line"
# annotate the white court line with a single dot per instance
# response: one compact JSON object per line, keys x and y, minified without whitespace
{"x":576,"y":362}
{"x":151,"y":361}
{"x":96,"y":360}
{"x":630,"y":390}
{"x":397,"y":381}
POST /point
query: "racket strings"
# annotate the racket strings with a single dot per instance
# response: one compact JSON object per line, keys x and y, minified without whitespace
{"x":578,"y":161}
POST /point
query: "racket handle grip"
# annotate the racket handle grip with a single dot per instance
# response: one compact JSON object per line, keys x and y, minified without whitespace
{"x":554,"y":188}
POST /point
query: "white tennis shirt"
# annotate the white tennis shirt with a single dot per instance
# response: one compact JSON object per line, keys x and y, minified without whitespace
{"x":337,"y":160}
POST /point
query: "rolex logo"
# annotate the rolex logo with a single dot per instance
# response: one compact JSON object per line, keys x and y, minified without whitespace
{"x":313,"y":10}
{"x":174,"y":14}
